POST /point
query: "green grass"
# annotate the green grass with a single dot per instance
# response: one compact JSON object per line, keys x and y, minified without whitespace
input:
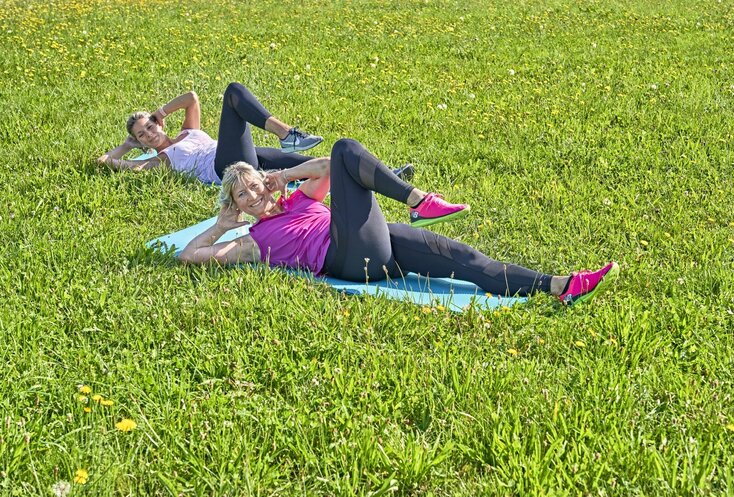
{"x":580,"y":133}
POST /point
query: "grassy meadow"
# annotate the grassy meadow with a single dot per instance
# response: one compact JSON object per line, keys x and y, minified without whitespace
{"x":580,"y":132}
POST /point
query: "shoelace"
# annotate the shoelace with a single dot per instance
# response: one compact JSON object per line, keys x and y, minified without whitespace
{"x":297,"y":133}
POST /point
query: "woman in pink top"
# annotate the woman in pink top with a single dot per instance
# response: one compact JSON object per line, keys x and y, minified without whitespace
{"x":195,"y":153}
{"x":352,"y":240}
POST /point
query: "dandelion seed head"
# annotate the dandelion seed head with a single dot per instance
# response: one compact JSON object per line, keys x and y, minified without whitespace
{"x":61,"y":488}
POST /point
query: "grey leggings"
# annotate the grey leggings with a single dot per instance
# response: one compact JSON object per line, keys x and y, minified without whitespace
{"x":363,"y":245}
{"x":240,"y":109}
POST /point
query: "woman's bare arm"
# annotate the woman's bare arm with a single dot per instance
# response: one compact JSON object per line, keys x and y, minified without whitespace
{"x":318,"y":174}
{"x":133,"y":165}
{"x":189,"y":102}
{"x":204,"y":248}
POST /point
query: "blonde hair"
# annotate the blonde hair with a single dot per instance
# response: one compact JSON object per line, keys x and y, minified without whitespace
{"x":236,"y":173}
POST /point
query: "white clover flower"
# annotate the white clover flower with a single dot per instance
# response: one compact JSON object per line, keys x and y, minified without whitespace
{"x":511,"y":72}
{"x":653,"y":86}
{"x":441,"y":106}
{"x":61,"y":488}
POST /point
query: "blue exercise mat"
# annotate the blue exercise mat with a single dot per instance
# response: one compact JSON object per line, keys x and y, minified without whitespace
{"x":456,"y":295}
{"x":147,"y":155}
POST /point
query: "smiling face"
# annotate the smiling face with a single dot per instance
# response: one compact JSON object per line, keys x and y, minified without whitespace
{"x":148,"y":132}
{"x":250,"y":196}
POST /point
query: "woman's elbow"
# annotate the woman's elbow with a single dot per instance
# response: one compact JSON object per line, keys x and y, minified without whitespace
{"x":188,"y":258}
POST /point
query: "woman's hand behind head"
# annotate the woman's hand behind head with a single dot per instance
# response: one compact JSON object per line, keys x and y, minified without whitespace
{"x":158,"y":117}
{"x":229,"y":218}
{"x":275,"y":181}
{"x":132,"y":143}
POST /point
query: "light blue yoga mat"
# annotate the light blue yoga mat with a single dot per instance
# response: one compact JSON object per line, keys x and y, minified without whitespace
{"x":453,"y":294}
{"x":147,"y":155}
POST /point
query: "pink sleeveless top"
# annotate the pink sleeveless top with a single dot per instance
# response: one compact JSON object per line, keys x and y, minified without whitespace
{"x":194,"y":155}
{"x":298,"y":237}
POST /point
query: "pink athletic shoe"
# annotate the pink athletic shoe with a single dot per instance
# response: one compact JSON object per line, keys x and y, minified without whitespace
{"x":584,"y":285}
{"x":434,"y":209}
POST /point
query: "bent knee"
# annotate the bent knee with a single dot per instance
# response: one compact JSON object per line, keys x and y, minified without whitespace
{"x":232,"y":87}
{"x":345,"y":145}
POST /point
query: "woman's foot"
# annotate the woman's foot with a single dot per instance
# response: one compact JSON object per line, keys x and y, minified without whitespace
{"x":405,"y":172}
{"x":434,"y":209}
{"x":585,"y":285}
{"x":298,"y":141}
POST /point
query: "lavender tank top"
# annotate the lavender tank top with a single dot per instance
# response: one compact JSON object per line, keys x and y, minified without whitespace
{"x":194,"y":155}
{"x":298,"y":237}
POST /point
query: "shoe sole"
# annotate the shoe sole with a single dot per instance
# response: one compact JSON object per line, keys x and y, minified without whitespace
{"x":603,"y":284}
{"x":435,"y":220}
{"x":297,"y":148}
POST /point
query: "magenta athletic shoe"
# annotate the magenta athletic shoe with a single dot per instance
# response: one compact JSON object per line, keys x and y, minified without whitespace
{"x":584,"y":285}
{"x":434,"y":209}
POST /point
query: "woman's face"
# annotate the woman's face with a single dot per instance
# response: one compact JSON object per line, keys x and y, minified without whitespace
{"x":253,"y":198}
{"x":148,"y":132}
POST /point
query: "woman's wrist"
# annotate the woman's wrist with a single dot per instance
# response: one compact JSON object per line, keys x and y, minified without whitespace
{"x":283,"y":176}
{"x":162,"y":111}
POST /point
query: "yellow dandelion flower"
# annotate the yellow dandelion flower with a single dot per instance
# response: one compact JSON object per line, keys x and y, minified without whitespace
{"x":97,"y":397}
{"x":85,"y":389}
{"x":440,"y":308}
{"x":579,"y":343}
{"x":513,"y":352}
{"x":106,"y":402}
{"x":87,"y":409}
{"x":730,"y":427}
{"x":425,"y":310}
{"x":126,"y":424}
{"x":644,"y":243}
{"x":81,"y":476}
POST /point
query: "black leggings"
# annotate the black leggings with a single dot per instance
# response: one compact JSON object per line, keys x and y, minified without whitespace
{"x":364,"y":246}
{"x":240,"y":109}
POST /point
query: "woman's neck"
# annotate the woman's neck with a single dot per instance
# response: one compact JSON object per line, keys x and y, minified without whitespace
{"x":167,"y":142}
{"x":275,"y":209}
